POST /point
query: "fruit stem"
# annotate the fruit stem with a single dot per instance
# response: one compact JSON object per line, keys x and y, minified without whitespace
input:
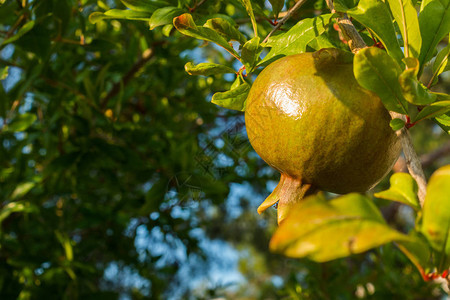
{"x":288,"y":192}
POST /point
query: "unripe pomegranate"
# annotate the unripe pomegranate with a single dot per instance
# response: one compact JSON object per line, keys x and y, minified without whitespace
{"x":307,"y":117}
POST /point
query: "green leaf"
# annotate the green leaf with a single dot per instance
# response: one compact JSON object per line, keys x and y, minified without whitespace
{"x":397,"y":124}
{"x":164,"y":16}
{"x":324,"y":230}
{"x":144,"y":5}
{"x":22,"y":31}
{"x":436,"y":214}
{"x":250,"y":53}
{"x":225,"y":29}
{"x":296,"y":39}
{"x":234,"y":98}
{"x":21,"y":122}
{"x":444,"y":122}
{"x":277,"y":6}
{"x":413,"y":90}
{"x":186,"y":25}
{"x":433,"y":110}
{"x":120,"y":14}
{"x":376,"y":71}
{"x":15,"y":207}
{"x":248,"y":7}
{"x":375,"y":15}
{"x":3,"y":73}
{"x":22,"y":189}
{"x":417,"y":251}
{"x":405,"y":15}
{"x":403,"y":189}
{"x":441,"y":63}
{"x":434,"y":21}
{"x":207,"y":69}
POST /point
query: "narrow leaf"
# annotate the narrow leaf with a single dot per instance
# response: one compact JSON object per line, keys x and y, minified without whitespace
{"x":225,"y":29}
{"x":22,"y":189}
{"x":433,"y":110}
{"x":21,"y":122}
{"x":434,"y":21}
{"x":376,"y":71}
{"x":322,"y":230}
{"x":374,"y":14}
{"x":234,"y":98}
{"x":3,"y":73}
{"x":248,"y":7}
{"x":15,"y":207}
{"x":186,"y":25}
{"x":144,"y":5}
{"x":119,"y":14}
{"x":22,"y":31}
{"x":207,"y":69}
{"x":405,"y":15}
{"x":403,"y":189}
{"x":441,"y":63}
{"x":296,"y":39}
{"x":436,"y":213}
{"x":164,"y":16}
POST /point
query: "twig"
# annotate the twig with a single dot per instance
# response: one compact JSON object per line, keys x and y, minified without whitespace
{"x":146,"y":56}
{"x":289,"y":13}
{"x":351,"y":35}
{"x":197,"y":5}
{"x":356,"y":43}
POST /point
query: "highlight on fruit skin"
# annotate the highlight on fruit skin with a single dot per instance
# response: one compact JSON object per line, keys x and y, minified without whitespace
{"x":307,"y":117}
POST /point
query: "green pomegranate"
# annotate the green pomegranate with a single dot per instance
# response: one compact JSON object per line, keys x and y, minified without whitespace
{"x":307,"y":117}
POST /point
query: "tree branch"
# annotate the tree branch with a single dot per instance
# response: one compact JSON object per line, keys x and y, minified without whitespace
{"x":289,"y":14}
{"x":356,"y":43}
{"x":146,"y":56}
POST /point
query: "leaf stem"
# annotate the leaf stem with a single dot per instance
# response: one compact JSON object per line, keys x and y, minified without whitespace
{"x":413,"y":164}
{"x":289,"y":14}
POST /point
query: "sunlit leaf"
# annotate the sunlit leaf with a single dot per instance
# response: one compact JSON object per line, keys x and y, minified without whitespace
{"x":296,"y":39}
{"x":441,"y":64}
{"x":375,"y":15}
{"x":225,"y":29}
{"x":250,"y":53}
{"x":403,"y":189}
{"x":433,"y":110}
{"x":413,"y":90}
{"x":248,"y":7}
{"x":434,"y":21}
{"x":164,"y":16}
{"x":16,"y":207}
{"x":376,"y":71}
{"x":3,"y":73}
{"x":405,"y":15}
{"x":444,"y":122}
{"x":324,"y":230}
{"x":186,"y":25}
{"x":144,"y":5}
{"x":207,"y":69}
{"x":436,"y":214}
{"x":21,"y":122}
{"x":120,"y":14}
{"x":22,"y":189}
{"x":234,"y":98}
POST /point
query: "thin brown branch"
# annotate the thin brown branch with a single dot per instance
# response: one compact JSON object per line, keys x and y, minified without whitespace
{"x":356,"y":43}
{"x":289,"y":14}
{"x":197,"y":5}
{"x":146,"y":56}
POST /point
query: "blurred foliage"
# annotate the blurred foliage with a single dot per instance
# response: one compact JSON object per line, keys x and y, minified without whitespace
{"x":115,"y":168}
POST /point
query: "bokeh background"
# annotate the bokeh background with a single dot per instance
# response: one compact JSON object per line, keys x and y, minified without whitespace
{"x":120,"y":180}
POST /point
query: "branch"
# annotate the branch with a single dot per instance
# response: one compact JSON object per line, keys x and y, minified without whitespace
{"x":146,"y":56}
{"x":356,"y":43}
{"x":289,"y":14}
